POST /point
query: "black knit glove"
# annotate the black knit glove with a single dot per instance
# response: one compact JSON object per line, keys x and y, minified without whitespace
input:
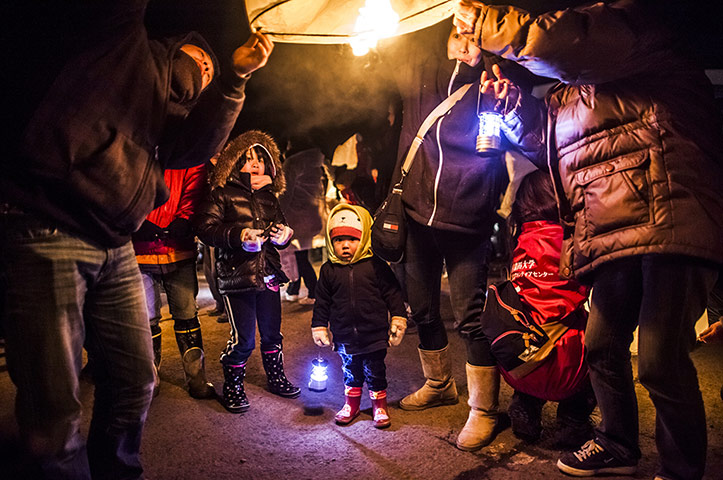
{"x":179,"y":228}
{"x":148,"y":232}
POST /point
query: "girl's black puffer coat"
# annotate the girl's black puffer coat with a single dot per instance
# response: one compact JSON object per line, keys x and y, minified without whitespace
{"x":232,"y":205}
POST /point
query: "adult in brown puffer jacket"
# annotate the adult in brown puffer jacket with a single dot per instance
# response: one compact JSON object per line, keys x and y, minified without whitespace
{"x":632,"y":140}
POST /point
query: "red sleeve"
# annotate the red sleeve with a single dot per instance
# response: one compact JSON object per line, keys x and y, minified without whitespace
{"x":193,"y":188}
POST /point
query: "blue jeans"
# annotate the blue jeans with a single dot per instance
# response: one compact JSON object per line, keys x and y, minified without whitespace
{"x":64,"y":293}
{"x":365,"y":366}
{"x":244,"y":311}
{"x":465,"y":256}
{"x":180,"y":283}
{"x":664,"y":295}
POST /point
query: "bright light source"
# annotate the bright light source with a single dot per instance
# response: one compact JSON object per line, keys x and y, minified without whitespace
{"x":332,"y":22}
{"x":377,"y":19}
{"x":318,"y":379}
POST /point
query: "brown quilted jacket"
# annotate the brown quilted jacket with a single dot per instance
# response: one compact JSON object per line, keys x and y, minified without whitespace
{"x":630,"y":134}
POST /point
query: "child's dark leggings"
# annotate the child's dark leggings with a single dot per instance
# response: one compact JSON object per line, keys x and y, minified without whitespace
{"x":365,"y":366}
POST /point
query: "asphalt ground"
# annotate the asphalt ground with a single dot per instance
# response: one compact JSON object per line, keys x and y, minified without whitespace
{"x":297,"y":439}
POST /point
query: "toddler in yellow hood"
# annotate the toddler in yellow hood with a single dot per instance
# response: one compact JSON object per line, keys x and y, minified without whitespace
{"x":355,"y":297}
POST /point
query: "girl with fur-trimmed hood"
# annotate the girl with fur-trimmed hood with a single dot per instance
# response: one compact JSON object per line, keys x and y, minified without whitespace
{"x":242,"y":218}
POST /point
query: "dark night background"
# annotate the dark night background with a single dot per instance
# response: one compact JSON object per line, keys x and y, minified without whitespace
{"x":325,"y":91}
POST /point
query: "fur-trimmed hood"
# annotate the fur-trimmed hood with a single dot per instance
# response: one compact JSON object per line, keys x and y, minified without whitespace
{"x":237,"y":147}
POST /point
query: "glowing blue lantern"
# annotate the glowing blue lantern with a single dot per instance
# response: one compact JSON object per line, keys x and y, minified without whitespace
{"x":317,"y":382}
{"x":489,"y":137}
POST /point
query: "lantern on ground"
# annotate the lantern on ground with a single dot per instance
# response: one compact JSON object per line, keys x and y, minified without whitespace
{"x":317,"y":381}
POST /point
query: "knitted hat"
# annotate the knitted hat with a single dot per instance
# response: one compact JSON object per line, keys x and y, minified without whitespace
{"x":345,"y":222}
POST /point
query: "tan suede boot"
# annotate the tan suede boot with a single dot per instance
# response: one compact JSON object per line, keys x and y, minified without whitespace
{"x":481,"y":427}
{"x":439,"y":389}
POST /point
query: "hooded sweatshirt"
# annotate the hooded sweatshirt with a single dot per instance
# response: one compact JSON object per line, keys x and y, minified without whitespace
{"x":95,"y":116}
{"x":354,"y":299}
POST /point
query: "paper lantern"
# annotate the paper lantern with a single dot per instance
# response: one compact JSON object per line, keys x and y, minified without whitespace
{"x":356,"y":22}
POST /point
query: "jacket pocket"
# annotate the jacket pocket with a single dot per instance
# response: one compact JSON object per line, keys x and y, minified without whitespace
{"x":616,"y":194}
{"x":119,"y":180}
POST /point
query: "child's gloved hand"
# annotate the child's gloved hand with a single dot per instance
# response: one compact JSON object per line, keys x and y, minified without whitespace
{"x":251,"y":241}
{"x":281,"y":234}
{"x":396,"y":330}
{"x":321,"y":336}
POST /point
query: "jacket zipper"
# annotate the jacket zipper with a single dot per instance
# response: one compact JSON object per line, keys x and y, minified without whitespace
{"x":141,"y":185}
{"x":261,"y":255}
{"x":516,"y":314}
{"x":439,"y":147}
{"x":353,"y":302}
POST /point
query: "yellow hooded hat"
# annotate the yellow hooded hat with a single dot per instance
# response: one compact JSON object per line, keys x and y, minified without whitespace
{"x":365,"y":244}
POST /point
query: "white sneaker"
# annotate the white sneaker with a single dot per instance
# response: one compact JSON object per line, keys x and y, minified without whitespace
{"x":307,"y":301}
{"x":290,"y":298}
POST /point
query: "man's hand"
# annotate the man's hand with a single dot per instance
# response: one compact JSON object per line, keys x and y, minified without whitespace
{"x":251,"y":239}
{"x":180,"y":228}
{"x":712,"y":334}
{"x":466,"y":13}
{"x":396,"y":330}
{"x":148,"y":232}
{"x":321,"y":336}
{"x":253,"y":54}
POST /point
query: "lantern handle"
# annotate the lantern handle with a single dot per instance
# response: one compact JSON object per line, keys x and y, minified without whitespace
{"x":497,"y":105}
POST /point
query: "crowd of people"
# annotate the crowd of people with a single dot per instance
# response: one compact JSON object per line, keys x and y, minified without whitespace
{"x":107,"y":186}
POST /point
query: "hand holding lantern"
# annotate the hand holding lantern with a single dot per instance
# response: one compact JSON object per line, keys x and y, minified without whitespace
{"x":503,"y":88}
{"x":321,"y":336}
{"x":489,"y":138}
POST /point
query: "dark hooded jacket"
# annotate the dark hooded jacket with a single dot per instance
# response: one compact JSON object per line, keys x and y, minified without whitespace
{"x":356,"y":298}
{"x":303,"y":200}
{"x":231,"y":206}
{"x":449,"y":186}
{"x":631,"y":134}
{"x":91,"y":121}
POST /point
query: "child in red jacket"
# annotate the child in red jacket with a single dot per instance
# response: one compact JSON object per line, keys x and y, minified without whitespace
{"x":563,"y":375}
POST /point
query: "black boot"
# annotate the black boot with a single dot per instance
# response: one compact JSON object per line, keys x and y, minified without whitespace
{"x":273,"y":359}
{"x":234,"y":396}
{"x":156,"y":336}
{"x":525,"y":412}
{"x":190,"y":344}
